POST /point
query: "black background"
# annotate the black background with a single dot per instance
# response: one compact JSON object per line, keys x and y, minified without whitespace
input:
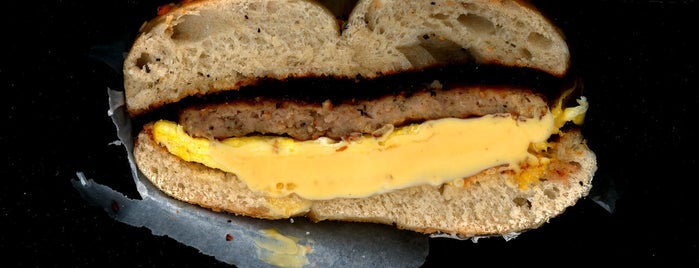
{"x":636,"y":59}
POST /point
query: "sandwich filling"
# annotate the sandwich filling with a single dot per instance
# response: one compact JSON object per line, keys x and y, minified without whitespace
{"x":432,"y":152}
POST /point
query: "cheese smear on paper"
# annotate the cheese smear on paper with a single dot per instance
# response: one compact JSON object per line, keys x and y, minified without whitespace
{"x":281,"y":250}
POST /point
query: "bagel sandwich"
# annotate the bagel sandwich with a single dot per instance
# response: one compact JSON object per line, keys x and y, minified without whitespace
{"x":439,"y":117}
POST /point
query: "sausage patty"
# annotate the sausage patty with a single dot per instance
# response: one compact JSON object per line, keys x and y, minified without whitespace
{"x":305,"y":121}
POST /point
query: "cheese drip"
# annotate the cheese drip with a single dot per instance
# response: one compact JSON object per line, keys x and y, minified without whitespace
{"x":281,"y":250}
{"x":433,"y":152}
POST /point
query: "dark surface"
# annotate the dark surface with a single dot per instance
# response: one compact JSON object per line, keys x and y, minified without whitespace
{"x":635,"y":57}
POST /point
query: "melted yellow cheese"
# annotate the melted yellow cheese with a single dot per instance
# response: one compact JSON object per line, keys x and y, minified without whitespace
{"x":433,"y":152}
{"x":574,"y":114}
{"x":561,"y":115}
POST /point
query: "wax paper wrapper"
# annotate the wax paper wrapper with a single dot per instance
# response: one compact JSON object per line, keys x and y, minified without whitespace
{"x":244,"y":241}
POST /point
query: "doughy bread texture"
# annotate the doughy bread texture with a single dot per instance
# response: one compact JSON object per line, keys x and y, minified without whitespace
{"x":216,"y":45}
